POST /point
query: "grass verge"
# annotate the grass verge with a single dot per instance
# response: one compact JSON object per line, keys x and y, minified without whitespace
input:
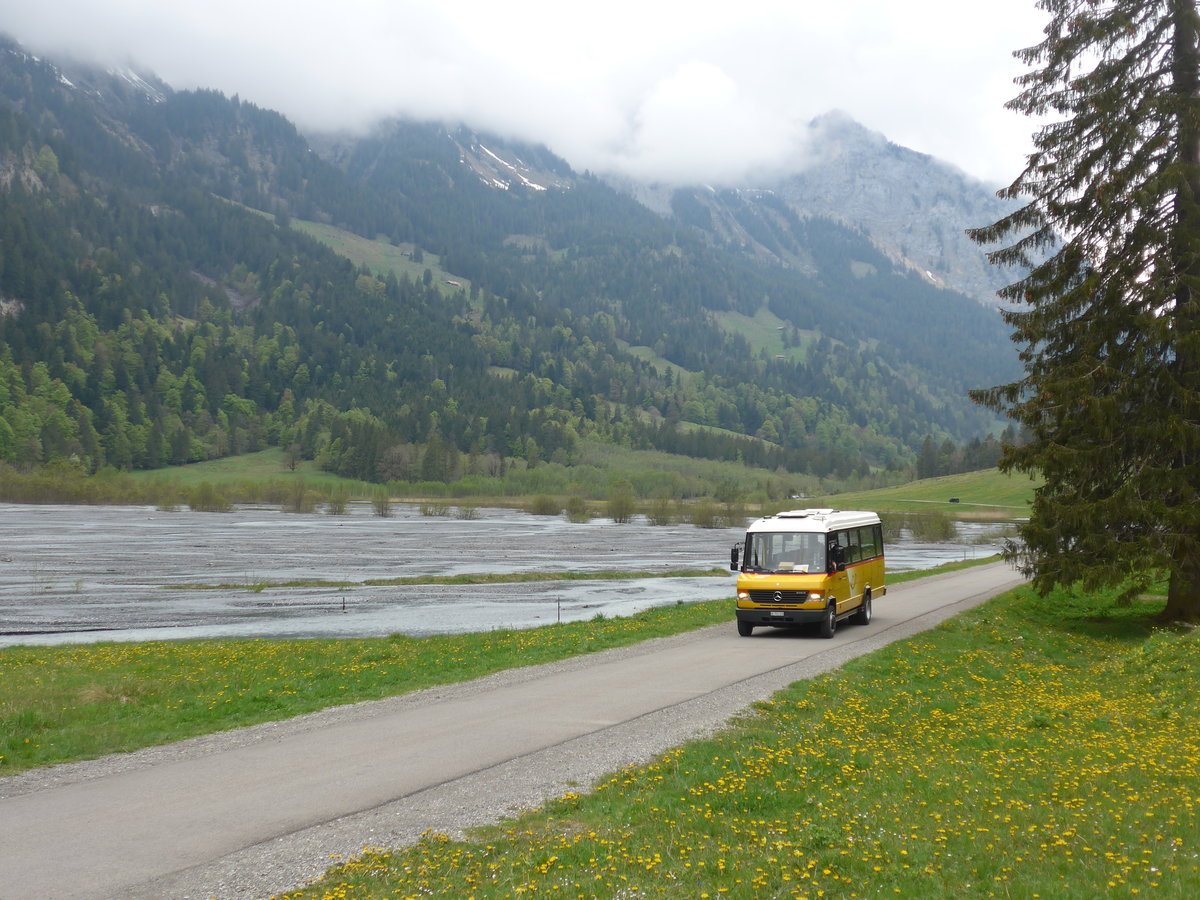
{"x":468,"y":578}
{"x":1033,"y":747}
{"x":67,"y":703}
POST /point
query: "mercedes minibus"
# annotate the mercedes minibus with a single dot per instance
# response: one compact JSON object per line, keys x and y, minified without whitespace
{"x":809,"y":565}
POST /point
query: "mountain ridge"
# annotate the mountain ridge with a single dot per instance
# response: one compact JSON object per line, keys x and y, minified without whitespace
{"x":172,"y":323}
{"x":914,"y":208}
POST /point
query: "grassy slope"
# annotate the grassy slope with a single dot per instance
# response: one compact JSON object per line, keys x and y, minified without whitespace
{"x":382,"y":257}
{"x":984,"y":492}
{"x":268,"y":466}
{"x":762,"y":331}
{"x":264,"y":465}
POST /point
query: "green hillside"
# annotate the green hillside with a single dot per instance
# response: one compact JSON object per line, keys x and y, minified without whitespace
{"x":383,"y":258}
{"x":186,"y":280}
{"x":987,"y":493}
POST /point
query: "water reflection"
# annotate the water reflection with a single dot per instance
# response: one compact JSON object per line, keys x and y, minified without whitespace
{"x":71,"y":574}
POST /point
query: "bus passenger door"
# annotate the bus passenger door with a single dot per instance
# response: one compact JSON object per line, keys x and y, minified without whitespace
{"x":838,"y":582}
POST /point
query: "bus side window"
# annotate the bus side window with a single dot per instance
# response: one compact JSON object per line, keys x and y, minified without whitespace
{"x":845,"y":546}
{"x":871,"y":547}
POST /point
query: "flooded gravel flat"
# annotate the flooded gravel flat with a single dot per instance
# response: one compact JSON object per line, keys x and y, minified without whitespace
{"x":100,"y":573}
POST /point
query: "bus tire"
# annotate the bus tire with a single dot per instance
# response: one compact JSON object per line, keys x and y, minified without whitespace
{"x":745,"y":629}
{"x":829,"y":621}
{"x":863,"y":616}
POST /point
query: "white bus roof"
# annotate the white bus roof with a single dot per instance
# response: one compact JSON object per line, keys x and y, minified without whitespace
{"x":814,"y":520}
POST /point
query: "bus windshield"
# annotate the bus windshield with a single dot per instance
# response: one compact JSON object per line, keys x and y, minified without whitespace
{"x":785,"y":552}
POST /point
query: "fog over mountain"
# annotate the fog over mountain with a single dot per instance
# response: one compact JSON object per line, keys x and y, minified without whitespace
{"x":712,"y":92}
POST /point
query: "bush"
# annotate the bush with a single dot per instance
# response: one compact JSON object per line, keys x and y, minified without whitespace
{"x":661,"y":512}
{"x":932,"y":527}
{"x":545,"y":505}
{"x":382,"y":501}
{"x":336,"y":504}
{"x":300,"y":499}
{"x":621,"y":504}
{"x":705,"y":514}
{"x":578,"y":510}
{"x":205,"y":498}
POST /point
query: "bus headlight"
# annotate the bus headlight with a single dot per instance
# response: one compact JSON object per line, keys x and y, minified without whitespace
{"x":743,"y":595}
{"x":816,"y":596}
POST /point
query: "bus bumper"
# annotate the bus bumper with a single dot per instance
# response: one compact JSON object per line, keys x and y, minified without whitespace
{"x":780,"y":617}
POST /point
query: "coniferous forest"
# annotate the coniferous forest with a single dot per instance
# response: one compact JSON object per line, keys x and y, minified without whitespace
{"x":158,"y":306}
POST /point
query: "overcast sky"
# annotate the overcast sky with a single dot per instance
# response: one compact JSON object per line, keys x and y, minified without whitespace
{"x":674,"y":91}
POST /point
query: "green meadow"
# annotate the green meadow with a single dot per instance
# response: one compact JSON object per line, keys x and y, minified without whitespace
{"x":1033,"y":748}
{"x":78,"y":701}
{"x":988,"y":493}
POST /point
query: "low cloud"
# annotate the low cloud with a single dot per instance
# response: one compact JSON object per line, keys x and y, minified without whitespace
{"x":703,"y":92}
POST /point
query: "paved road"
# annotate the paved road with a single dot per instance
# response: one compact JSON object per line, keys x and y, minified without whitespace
{"x":253,"y":812}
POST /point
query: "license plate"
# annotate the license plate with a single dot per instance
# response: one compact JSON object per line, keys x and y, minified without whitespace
{"x":777,"y":612}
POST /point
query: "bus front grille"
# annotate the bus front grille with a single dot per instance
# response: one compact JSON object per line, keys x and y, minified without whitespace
{"x":779,"y":596}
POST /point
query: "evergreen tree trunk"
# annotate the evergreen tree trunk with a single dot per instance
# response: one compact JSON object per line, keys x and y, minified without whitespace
{"x":1183,"y":592}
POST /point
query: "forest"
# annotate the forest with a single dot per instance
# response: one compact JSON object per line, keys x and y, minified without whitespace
{"x":157,"y":308}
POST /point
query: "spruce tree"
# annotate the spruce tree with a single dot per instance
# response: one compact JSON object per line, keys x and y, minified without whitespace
{"x":1109,"y":315}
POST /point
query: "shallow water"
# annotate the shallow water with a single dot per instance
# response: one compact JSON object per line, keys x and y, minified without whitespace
{"x":119,"y":573}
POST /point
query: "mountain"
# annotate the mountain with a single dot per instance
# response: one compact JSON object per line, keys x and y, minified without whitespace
{"x":163,"y":300}
{"x":913,"y":208}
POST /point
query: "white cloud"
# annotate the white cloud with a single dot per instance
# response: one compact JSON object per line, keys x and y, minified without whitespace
{"x":672,"y":90}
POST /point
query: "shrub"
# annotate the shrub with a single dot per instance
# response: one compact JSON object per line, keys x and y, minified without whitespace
{"x":661,"y":512}
{"x":621,"y":503}
{"x":205,"y":498}
{"x":382,"y":501}
{"x":578,"y":510}
{"x":932,"y":526}
{"x":335,"y":505}
{"x":705,"y":514}
{"x":545,"y":505}
{"x":300,"y":499}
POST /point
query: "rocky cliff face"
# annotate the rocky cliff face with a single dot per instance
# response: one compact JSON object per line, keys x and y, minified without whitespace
{"x":914,"y":208}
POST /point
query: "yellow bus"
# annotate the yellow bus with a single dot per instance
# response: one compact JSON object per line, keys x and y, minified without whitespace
{"x":809,"y":565}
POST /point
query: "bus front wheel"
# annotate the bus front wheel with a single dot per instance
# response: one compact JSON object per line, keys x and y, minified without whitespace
{"x":745,"y":629}
{"x":829,"y":622}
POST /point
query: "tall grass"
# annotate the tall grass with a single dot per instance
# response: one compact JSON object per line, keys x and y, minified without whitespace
{"x":928,"y":526}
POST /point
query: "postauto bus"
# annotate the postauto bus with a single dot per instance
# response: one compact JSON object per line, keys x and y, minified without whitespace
{"x":809,"y":565}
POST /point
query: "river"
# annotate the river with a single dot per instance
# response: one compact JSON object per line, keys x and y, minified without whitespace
{"x":125,"y":573}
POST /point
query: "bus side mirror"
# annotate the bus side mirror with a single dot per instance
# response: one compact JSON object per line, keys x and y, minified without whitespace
{"x":733,"y":559}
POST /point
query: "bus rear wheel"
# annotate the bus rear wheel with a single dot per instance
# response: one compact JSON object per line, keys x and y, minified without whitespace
{"x":745,"y":629}
{"x":863,"y":616}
